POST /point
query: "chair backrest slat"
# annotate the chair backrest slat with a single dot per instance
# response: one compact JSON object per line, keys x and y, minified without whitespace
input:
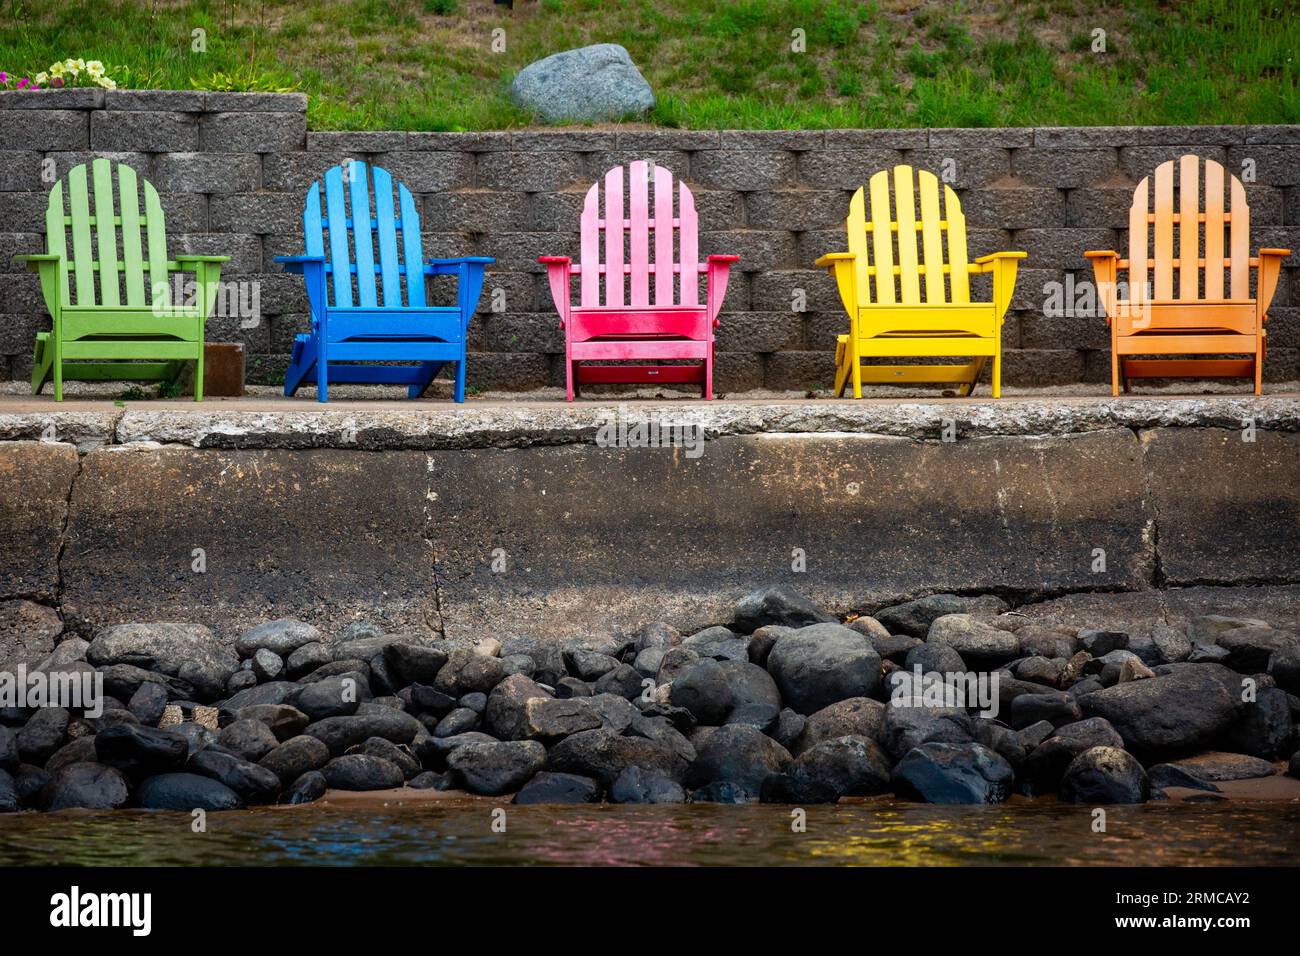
{"x":363,"y":244}
{"x":156,"y":242}
{"x":56,"y":242}
{"x":1189,"y":204}
{"x":909,"y":277}
{"x":390,"y":277}
{"x":663,"y":235}
{"x":132,"y":250}
{"x":882,"y":239}
{"x":616,"y":241}
{"x":958,"y":263}
{"x":931,"y":238}
{"x":1240,"y":254}
{"x":412,"y":248}
{"x":614,"y":236}
{"x":639,"y":234}
{"x":336,"y":217}
{"x":82,"y":253}
{"x":1197,"y":211}
{"x":1213,"y":230}
{"x":105,"y":234}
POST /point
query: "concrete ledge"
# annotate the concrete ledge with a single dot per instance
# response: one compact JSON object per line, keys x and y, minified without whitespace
{"x":379,"y":425}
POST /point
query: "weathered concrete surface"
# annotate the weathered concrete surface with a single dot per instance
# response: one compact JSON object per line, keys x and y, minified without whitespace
{"x":1135,"y":611}
{"x":35,"y":481}
{"x":598,"y":539}
{"x":325,"y":536}
{"x":1229,"y":509}
{"x":379,"y":425}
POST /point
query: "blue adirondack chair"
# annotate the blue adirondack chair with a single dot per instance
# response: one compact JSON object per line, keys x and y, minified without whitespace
{"x":357,"y":308}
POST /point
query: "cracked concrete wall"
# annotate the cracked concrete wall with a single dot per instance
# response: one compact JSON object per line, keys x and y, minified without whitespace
{"x":232,"y":170}
{"x":596,"y":540}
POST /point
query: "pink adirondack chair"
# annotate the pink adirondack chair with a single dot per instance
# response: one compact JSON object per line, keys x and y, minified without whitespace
{"x":635,"y":320}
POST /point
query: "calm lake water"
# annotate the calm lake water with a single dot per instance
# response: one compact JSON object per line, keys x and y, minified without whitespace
{"x":879,"y":834}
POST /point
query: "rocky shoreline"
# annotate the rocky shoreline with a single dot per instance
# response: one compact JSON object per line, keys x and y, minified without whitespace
{"x":945,"y":699}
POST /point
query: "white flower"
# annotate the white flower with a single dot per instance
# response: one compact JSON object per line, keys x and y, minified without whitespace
{"x":106,"y":83}
{"x":95,"y":69}
{"x":40,"y":78}
{"x":56,"y":69}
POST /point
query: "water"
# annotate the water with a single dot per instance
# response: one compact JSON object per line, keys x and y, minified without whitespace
{"x":865,"y":833}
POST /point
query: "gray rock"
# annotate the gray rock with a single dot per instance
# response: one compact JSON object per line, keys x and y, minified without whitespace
{"x":906,"y":728}
{"x":139,"y":750}
{"x":282,"y":720}
{"x":934,"y":659}
{"x":400,"y":755}
{"x":340,"y":733}
{"x":1057,"y":707}
{"x":1046,"y":642}
{"x":1103,"y":775}
{"x":276,"y":692}
{"x":980,"y":645}
{"x":790,"y":727}
{"x":675,"y":662}
{"x":947,"y":773}
{"x":186,"y":792}
{"x":253,"y":783}
{"x":1207,"y":628}
{"x":778,"y":605}
{"x":816,"y":666}
{"x":306,"y":659}
{"x":1035,"y":734}
{"x":852,"y":766}
{"x":1099,"y":643}
{"x":762,"y":716}
{"x":857,"y":716}
{"x":704,"y":690}
{"x":796,"y":788}
{"x":1207,"y":654}
{"x":250,"y":739}
{"x":1046,"y":763}
{"x":719,"y":643}
{"x":623,"y":681}
{"x":85,"y":784}
{"x":414,"y":663}
{"x":311,"y":786}
{"x":763,"y":640}
{"x":1249,"y":648}
{"x":603,"y":754}
{"x":648,"y":661}
{"x":506,"y":715}
{"x":333,"y":696}
{"x":635,"y":785}
{"x":361,"y":772}
{"x":27,"y":632}
{"x":548,"y":787}
{"x":739,"y":755}
{"x":9,"y":799}
{"x":466,"y":672}
{"x":1166,"y":715}
{"x":1001,"y":739}
{"x":9,"y":759}
{"x":187,"y":651}
{"x":915,"y":617}
{"x":591,"y":84}
{"x":492,"y":769}
{"x":657,"y":635}
{"x":1165,"y":775}
{"x":519,"y":664}
{"x":267,"y":665}
{"x":1219,"y":767}
{"x":43,"y":734}
{"x":295,"y":757}
{"x":1264,"y":728}
{"x":588,"y":665}
{"x":1040,"y":670}
{"x":461,"y":720}
{"x":148,"y":703}
{"x":722,"y":791}
{"x":1284,"y":668}
{"x":281,"y":638}
{"x":80,"y":750}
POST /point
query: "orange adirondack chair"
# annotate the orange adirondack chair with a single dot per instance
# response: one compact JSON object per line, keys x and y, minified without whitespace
{"x":1194,"y":317}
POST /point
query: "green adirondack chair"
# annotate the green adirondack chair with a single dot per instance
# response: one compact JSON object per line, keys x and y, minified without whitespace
{"x":123,"y":327}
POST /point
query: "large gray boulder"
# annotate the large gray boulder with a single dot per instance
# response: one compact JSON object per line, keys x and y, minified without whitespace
{"x":1105,"y":775}
{"x":953,"y":773}
{"x":739,"y":755}
{"x":187,"y":651}
{"x":981,"y":646}
{"x":1165,"y":716}
{"x":497,"y":768}
{"x":817,"y":666}
{"x":589,"y":85}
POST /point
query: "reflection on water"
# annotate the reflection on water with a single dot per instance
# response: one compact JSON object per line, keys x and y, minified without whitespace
{"x":878,"y":833}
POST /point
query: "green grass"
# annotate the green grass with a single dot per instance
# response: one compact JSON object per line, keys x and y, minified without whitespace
{"x":429,"y":64}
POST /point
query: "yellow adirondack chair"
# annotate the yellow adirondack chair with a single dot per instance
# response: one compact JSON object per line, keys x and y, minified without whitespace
{"x":897,"y":302}
{"x":1194,"y":317}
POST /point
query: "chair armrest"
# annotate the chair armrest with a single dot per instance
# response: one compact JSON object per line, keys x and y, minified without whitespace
{"x":1105,"y":270}
{"x":719,"y":269}
{"x":989,"y":262}
{"x":36,"y":260}
{"x":444,"y":267}
{"x":297,"y":265}
{"x":558,"y":271}
{"x":1270,"y":263}
{"x":216,"y":259}
{"x":829,"y":260}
